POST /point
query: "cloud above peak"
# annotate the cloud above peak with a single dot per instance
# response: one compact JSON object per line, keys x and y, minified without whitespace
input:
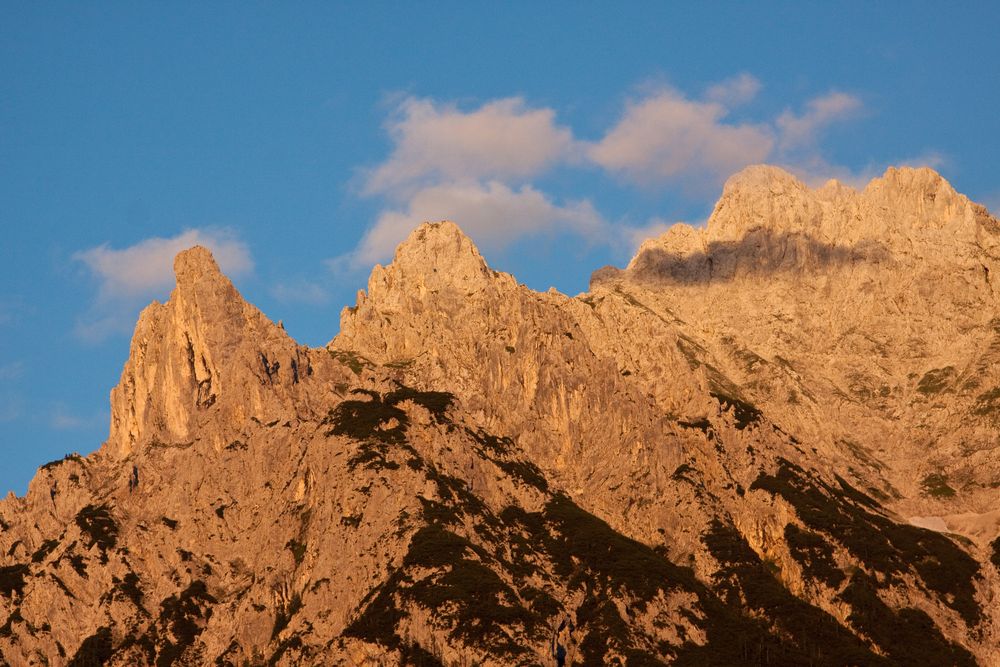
{"x":128,"y":277}
{"x":484,"y":166}
{"x":146,"y":267}
{"x":797,"y":130}
{"x":492,"y":213}
{"x":734,"y":91}
{"x":438,"y":142}
{"x":667,"y":137}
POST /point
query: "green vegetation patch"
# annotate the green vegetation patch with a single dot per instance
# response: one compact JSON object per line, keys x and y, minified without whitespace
{"x":814,"y":554}
{"x":936,"y":486}
{"x":809,"y":635}
{"x":98,"y":526}
{"x":935,"y":381}
{"x":908,"y":636}
{"x":12,"y":579}
{"x":58,"y":462}
{"x":96,"y":649}
{"x":880,"y":544}
{"x":744,"y":413}
{"x":352,"y":360}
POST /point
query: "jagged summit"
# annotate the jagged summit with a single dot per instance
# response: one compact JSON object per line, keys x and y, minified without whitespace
{"x":437,"y":257}
{"x":201,"y":355}
{"x":194,"y":265}
{"x":762,"y":176}
{"x":438,"y":252}
{"x":768,"y":219}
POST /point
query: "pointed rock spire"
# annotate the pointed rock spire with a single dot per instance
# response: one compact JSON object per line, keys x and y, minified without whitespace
{"x":204,"y":348}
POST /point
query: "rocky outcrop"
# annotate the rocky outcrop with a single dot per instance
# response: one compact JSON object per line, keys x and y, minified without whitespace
{"x":203,"y":364}
{"x":710,"y":458}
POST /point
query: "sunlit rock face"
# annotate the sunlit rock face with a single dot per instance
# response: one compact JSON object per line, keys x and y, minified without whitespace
{"x":771,"y":440}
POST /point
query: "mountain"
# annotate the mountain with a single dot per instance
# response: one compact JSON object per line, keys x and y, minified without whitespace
{"x":770,"y":441}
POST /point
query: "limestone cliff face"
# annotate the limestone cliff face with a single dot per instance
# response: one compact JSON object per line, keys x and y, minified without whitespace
{"x":710,"y":459}
{"x":204,"y":357}
{"x":867,"y":320}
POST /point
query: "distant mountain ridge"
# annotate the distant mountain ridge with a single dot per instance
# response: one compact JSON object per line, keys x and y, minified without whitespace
{"x":711,"y":458}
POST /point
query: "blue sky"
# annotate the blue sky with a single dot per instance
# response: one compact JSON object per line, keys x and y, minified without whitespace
{"x":301,"y":141}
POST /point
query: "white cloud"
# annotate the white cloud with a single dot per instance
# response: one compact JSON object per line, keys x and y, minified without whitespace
{"x":802,"y":130}
{"x":300,"y":291}
{"x":493,"y":214}
{"x":94,"y":327}
{"x":476,"y":166}
{"x":10,"y":409}
{"x":63,"y":420}
{"x":634,"y":236}
{"x":11,"y":371}
{"x":667,"y":137}
{"x":435,"y":142}
{"x":731,"y":92}
{"x":146,"y":268}
{"x":129,"y":277}
{"x":992,"y":203}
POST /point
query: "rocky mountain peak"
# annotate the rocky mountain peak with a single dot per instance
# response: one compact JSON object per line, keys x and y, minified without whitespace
{"x":436,"y":262}
{"x":438,"y":253}
{"x":204,"y":351}
{"x":758,"y":177}
{"x":195,"y":265}
{"x":767,"y":217}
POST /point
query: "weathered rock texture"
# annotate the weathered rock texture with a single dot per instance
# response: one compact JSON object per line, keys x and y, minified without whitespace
{"x":712,"y":458}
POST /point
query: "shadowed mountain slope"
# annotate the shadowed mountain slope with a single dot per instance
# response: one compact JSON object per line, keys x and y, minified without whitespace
{"x":679,"y":467}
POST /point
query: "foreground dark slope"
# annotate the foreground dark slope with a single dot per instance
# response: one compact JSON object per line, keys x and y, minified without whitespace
{"x":472,"y":472}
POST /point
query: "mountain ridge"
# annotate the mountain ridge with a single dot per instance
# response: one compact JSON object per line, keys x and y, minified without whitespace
{"x":654,"y":472}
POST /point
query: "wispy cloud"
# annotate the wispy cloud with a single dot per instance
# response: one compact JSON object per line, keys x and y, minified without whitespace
{"x":438,"y":142}
{"x":802,"y":129}
{"x":300,"y":291}
{"x":735,"y":91}
{"x":666,"y":137}
{"x":11,"y":371}
{"x":147,"y":266}
{"x":492,"y":213}
{"x":61,"y":419}
{"x":479,"y":166}
{"x":127,"y":277}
